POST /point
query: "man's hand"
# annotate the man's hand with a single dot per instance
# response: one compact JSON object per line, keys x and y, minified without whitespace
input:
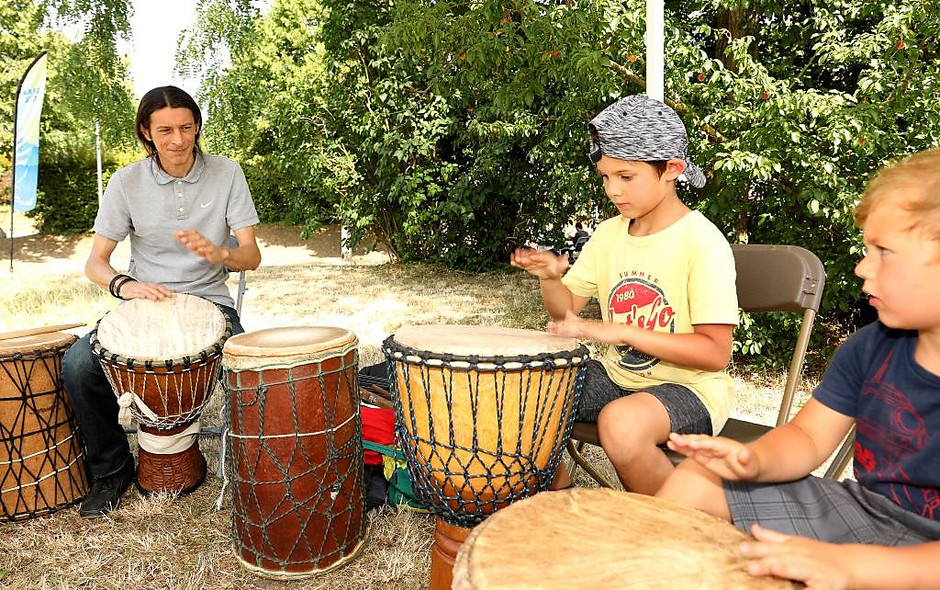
{"x":151,"y":291}
{"x":199,"y":245}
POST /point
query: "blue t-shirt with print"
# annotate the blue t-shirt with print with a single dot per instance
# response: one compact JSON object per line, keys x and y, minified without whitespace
{"x":896,"y":404}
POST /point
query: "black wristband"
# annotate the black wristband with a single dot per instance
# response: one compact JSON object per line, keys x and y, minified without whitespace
{"x":118,"y":281}
{"x":114,"y":279}
{"x":120,"y":285}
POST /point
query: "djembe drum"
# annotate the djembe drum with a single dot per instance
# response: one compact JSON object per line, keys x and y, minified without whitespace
{"x":295,"y":447}
{"x":484,"y":414}
{"x":163,"y":360}
{"x":601,"y":538}
{"x":42,"y":464}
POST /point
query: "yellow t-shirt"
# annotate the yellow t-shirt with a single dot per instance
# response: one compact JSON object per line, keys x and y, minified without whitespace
{"x":668,"y":282}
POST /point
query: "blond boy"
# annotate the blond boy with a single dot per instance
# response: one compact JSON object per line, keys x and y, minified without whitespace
{"x":881,"y":530}
{"x":664,"y":276}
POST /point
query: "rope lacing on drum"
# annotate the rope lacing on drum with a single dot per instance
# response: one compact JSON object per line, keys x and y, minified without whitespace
{"x":180,"y":388}
{"x":467,"y":482}
{"x":54,"y":477}
{"x":312,"y":484}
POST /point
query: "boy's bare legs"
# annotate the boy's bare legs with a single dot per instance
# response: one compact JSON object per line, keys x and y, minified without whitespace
{"x":693,"y":485}
{"x":630,"y":430}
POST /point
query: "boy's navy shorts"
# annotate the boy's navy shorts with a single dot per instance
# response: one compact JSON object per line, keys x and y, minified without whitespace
{"x":687,"y":413}
{"x":827,"y":510}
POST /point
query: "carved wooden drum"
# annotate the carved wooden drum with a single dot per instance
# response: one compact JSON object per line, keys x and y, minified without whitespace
{"x":42,"y":464}
{"x":295,"y":449}
{"x":484,"y":413}
{"x":601,"y":538}
{"x":163,"y":361}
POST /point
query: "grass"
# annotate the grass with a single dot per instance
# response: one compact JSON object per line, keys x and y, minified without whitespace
{"x":162,"y":542}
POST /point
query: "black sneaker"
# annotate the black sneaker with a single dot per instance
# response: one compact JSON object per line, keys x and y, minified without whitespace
{"x":105,"y":493}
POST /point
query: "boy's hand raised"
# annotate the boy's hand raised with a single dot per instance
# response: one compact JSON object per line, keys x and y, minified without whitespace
{"x":542,"y":263}
{"x":726,"y":458}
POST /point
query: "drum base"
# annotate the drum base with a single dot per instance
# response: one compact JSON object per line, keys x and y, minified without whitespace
{"x":179,"y":473}
{"x":300,"y":575}
{"x":448,"y":539}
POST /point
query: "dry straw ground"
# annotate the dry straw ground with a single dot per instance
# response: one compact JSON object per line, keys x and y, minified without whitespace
{"x":162,"y":542}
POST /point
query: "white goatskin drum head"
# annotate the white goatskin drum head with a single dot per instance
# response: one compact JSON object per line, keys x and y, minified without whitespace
{"x":286,"y":345}
{"x":35,"y":342}
{"x":599,"y":538}
{"x":178,"y":326}
{"x":482,"y":340}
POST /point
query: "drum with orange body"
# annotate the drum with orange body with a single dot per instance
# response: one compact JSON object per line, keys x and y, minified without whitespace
{"x":295,"y":449}
{"x":484,"y":412}
{"x":163,"y":359}
{"x":601,"y":538}
{"x":42,"y":464}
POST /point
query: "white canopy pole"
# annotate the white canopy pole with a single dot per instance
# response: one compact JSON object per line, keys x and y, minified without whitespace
{"x":655,"y":61}
{"x":98,"y":159}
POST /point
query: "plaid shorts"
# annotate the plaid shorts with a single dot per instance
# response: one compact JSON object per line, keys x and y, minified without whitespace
{"x":831,"y":511}
{"x":687,"y":413}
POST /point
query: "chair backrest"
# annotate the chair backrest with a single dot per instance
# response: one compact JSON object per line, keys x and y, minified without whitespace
{"x":233,"y":243}
{"x":781,"y":278}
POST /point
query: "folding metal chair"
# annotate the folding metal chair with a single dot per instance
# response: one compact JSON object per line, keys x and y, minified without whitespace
{"x":843,"y":456}
{"x":769,"y":278}
{"x":233,"y":243}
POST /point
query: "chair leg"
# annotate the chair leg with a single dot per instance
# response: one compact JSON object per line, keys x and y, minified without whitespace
{"x":843,"y":457}
{"x":575,"y":451}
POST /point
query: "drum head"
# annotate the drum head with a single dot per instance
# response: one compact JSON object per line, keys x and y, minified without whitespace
{"x":286,"y":345}
{"x":176,"y":327}
{"x":484,"y":341}
{"x":599,"y":538}
{"x":34,"y":343}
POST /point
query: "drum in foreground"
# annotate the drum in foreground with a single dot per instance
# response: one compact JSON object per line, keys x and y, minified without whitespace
{"x":42,"y":465}
{"x":600,"y":538}
{"x":485,"y":411}
{"x":162,"y":359}
{"x":295,"y":447}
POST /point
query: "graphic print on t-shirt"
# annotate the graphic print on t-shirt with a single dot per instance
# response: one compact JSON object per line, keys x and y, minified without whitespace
{"x":638,"y":301}
{"x":888,"y":435}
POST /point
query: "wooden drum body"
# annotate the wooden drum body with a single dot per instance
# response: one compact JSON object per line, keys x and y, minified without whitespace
{"x":295,"y":449}
{"x":42,"y":464}
{"x":601,"y":538}
{"x":163,"y":361}
{"x":484,"y":413}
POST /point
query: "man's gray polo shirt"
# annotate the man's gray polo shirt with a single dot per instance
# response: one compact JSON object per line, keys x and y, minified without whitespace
{"x":147,"y":204}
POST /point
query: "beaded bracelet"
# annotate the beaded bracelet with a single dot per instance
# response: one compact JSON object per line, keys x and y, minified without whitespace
{"x":117,"y":282}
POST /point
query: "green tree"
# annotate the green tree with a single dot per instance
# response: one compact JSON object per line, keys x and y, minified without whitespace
{"x":466,"y":121}
{"x":93,"y":78}
{"x":86,"y":82}
{"x":19,"y":45}
{"x":265,"y":107}
{"x":456,"y":130}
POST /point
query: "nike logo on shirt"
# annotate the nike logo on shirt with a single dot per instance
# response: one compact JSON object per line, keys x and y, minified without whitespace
{"x":204,"y":205}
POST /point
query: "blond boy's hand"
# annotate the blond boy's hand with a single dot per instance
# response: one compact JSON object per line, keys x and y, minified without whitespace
{"x":821,"y":566}
{"x":542,"y":263}
{"x":726,"y":458}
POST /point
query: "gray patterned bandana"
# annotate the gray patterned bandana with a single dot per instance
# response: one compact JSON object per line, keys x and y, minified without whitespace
{"x":642,"y":129}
